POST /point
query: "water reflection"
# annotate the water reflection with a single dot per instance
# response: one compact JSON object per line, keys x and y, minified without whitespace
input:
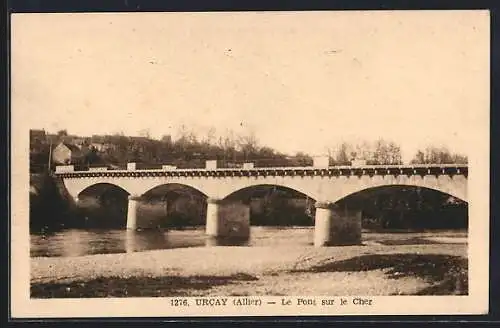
{"x":74,"y":242}
{"x":137,"y":241}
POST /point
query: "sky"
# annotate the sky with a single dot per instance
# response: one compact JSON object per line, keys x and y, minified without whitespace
{"x":298,"y":81}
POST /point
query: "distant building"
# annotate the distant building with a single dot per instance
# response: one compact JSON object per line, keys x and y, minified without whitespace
{"x":139,"y":139}
{"x":102,"y":147}
{"x":321,"y":161}
{"x":97,"y":138}
{"x":37,"y":134}
{"x":52,"y":138}
{"x":232,"y":165}
{"x":211,"y":165}
{"x":81,"y":142}
{"x":167,"y":139}
{"x":101,"y":143}
{"x":358,"y":162}
{"x":37,"y":138}
{"x":66,"y":153}
{"x":138,"y":143}
{"x":248,"y":166}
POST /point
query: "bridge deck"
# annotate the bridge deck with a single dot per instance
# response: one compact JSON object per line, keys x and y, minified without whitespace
{"x":422,"y":169}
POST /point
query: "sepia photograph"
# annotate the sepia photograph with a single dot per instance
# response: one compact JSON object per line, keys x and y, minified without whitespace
{"x":250,"y":163}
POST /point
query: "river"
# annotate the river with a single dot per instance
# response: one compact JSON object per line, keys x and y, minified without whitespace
{"x":77,"y":242}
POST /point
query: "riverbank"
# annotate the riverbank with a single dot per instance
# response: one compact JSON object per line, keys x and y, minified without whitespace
{"x":210,"y":271}
{"x":51,"y":207}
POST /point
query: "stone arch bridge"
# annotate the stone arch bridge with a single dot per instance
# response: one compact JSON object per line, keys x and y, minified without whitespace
{"x":326,"y":186}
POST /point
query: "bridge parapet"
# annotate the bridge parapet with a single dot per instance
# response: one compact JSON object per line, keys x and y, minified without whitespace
{"x":64,"y":169}
{"x":431,"y":169}
{"x":100,"y":168}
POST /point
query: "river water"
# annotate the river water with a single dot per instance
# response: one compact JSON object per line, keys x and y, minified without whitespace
{"x":74,"y":242}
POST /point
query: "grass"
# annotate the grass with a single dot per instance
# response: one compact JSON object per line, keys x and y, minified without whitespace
{"x":448,"y":275}
{"x":134,"y":286}
{"x":409,"y":241}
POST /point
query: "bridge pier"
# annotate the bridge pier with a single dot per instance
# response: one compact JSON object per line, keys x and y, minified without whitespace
{"x":227,"y":219}
{"x":133,"y":204}
{"x":212,"y":224}
{"x":334,"y":226}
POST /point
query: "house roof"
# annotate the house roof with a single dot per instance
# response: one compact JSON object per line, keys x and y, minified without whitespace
{"x":71,"y":146}
{"x":138,"y":138}
{"x":97,"y":138}
{"x":38,"y":132}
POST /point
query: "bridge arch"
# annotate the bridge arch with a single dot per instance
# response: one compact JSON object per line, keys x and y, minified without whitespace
{"x":98,"y":189}
{"x":102,"y":205}
{"x":261,"y":189}
{"x":407,"y":207}
{"x":134,"y":186}
{"x":332,"y":189}
{"x":372,"y":191}
{"x":174,"y":187}
{"x":306,"y":186}
{"x":455,"y":186}
{"x":274,"y":205}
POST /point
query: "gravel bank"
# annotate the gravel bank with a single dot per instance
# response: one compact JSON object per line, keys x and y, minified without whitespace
{"x":213,"y":261}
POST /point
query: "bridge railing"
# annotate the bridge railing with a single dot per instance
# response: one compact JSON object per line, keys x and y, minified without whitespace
{"x":167,"y":167}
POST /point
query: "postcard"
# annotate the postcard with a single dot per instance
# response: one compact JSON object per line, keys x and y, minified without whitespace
{"x":249,"y":163}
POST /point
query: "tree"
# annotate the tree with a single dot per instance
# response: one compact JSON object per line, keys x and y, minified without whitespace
{"x":166,"y":139}
{"x":394,"y":153}
{"x":364,"y":151}
{"x":340,"y":154}
{"x":386,"y":152}
{"x":184,"y":138}
{"x":227,"y":143}
{"x":419,"y":158}
{"x":438,"y":155}
{"x":209,"y":138}
{"x":380,"y":152}
{"x":248,"y":144}
{"x":92,"y":157}
{"x":459,"y":159}
{"x":303,"y":159}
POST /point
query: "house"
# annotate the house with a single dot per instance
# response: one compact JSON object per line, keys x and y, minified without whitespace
{"x":321,"y":161}
{"x":37,"y":139}
{"x":101,"y":143}
{"x":66,"y":153}
{"x":358,"y":162}
{"x":138,"y":143}
{"x":139,"y":139}
{"x":37,"y":135}
{"x":81,"y":142}
{"x":52,"y":138}
{"x":102,"y":147}
{"x":97,"y":139}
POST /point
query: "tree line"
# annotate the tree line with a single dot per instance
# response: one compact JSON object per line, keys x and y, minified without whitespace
{"x":230,"y":149}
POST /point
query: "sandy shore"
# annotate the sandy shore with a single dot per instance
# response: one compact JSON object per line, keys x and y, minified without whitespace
{"x":257,"y":270}
{"x":218,"y":261}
